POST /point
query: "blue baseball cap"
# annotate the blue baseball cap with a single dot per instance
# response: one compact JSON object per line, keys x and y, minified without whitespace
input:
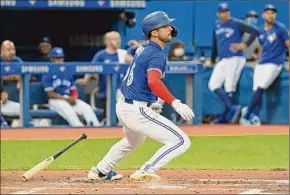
{"x":45,"y":40}
{"x":270,"y":7}
{"x":252,"y":13}
{"x":222,"y":7}
{"x":56,"y":52}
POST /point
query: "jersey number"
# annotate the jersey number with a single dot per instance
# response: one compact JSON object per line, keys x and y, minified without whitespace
{"x":130,"y":72}
{"x":131,"y":75}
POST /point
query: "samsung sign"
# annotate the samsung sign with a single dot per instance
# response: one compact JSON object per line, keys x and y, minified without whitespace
{"x":66,"y":3}
{"x":128,"y":4}
{"x":89,"y":69}
{"x":7,"y":3}
{"x":34,"y":69}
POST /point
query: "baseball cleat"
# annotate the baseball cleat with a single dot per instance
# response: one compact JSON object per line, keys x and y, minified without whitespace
{"x":254,"y":120}
{"x":143,"y":176}
{"x":95,"y":174}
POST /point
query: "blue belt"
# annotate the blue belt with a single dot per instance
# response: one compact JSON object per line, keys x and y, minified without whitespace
{"x":129,"y":101}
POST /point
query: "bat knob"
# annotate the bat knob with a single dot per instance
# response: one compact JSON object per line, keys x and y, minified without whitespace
{"x":24,"y":178}
{"x":84,"y":136}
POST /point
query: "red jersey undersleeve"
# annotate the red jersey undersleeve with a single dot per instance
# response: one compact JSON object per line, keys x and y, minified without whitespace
{"x":157,"y":86}
{"x":74,"y":93}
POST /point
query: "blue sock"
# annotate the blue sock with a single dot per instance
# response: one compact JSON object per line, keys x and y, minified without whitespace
{"x":256,"y":102}
{"x":256,"y":111}
{"x":225,"y":99}
{"x":3,"y":123}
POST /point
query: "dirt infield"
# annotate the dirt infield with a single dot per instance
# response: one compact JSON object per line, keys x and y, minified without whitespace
{"x":173,"y":181}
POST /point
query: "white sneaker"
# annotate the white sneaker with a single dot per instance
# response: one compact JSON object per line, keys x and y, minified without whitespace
{"x":95,"y":174}
{"x":143,"y":176}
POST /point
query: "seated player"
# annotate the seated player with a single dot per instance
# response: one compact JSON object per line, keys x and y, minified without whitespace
{"x":63,"y":95}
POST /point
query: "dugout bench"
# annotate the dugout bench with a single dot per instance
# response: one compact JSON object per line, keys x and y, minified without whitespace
{"x":39,"y":97}
{"x":191,"y":69}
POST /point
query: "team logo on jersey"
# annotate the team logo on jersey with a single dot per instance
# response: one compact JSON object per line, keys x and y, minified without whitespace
{"x":107,"y":61}
{"x":272,"y":37}
{"x":59,"y":82}
{"x":227,"y":31}
{"x":261,"y":37}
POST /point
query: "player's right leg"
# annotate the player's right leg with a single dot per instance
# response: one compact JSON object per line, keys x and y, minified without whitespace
{"x":215,"y":85}
{"x":264,"y":76}
{"x":233,"y":71}
{"x":65,"y":110}
{"x":132,"y":139}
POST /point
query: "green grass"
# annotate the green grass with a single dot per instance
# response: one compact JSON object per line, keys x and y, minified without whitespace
{"x":229,"y":152}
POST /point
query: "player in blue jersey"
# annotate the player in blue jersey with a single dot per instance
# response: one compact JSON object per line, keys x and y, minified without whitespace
{"x":63,"y":95}
{"x":112,"y":53}
{"x":274,"y":40}
{"x":137,"y":108}
{"x":228,"y":46}
{"x":8,"y":54}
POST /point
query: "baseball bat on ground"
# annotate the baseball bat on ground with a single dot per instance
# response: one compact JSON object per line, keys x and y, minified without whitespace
{"x":40,"y":166}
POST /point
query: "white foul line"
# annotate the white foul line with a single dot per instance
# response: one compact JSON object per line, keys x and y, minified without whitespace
{"x":254,"y":191}
{"x":29,"y":191}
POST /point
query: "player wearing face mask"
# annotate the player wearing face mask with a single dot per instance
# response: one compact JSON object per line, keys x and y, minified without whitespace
{"x":177,"y":52}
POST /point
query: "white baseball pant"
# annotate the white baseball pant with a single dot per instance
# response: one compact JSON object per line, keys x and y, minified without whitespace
{"x":265,"y":75}
{"x":70,"y":112}
{"x":10,"y":108}
{"x":227,"y":72}
{"x":139,"y":122}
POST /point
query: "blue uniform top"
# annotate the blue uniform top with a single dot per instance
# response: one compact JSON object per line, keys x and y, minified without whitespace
{"x":227,"y":33}
{"x":273,"y":44}
{"x":147,"y":57}
{"x":104,"y":56}
{"x":61,"y":83}
{"x":15,"y":59}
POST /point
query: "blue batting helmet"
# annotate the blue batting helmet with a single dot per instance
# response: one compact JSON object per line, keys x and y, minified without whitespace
{"x":156,"y":20}
{"x":56,"y":52}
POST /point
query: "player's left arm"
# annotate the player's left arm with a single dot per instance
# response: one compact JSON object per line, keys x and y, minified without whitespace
{"x":244,"y":28}
{"x":154,"y":78}
{"x":155,"y":83}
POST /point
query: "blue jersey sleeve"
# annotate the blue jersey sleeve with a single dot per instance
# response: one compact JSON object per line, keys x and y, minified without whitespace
{"x":47,"y":83}
{"x":157,"y":62}
{"x":243,"y":27}
{"x":97,"y":57}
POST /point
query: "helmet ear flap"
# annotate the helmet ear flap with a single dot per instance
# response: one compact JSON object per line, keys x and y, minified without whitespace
{"x":174,"y":31}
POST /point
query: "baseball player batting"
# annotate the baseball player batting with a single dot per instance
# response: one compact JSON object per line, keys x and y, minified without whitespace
{"x":138,"y":110}
{"x":274,"y":40}
{"x":228,"y":45}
